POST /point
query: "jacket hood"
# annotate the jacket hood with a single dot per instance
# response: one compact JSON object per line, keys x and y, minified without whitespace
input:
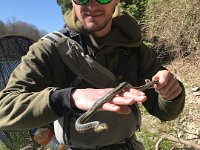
{"x":125,"y":29}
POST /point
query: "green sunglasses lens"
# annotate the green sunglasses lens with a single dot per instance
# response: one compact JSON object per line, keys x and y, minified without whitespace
{"x":84,"y":2}
{"x":103,"y":1}
{"x":81,"y":2}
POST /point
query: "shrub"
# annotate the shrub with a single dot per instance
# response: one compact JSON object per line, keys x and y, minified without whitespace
{"x":174,"y":26}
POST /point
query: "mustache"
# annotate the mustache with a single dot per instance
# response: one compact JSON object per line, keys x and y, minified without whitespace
{"x":93,"y":12}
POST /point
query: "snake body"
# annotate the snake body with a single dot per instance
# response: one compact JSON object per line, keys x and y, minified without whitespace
{"x":82,"y":125}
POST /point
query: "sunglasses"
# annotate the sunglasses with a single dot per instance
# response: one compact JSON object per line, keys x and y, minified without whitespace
{"x":84,"y":2}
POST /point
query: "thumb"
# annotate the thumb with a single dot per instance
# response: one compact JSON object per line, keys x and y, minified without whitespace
{"x":155,"y":77}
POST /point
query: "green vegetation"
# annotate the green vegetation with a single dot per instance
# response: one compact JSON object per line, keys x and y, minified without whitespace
{"x":65,"y":5}
{"x":135,"y":7}
{"x":3,"y":147}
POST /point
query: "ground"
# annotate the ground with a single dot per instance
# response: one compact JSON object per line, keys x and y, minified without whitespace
{"x":187,"y":126}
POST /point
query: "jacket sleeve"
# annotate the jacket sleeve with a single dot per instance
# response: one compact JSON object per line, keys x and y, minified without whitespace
{"x":155,"y":104}
{"x":30,"y":98}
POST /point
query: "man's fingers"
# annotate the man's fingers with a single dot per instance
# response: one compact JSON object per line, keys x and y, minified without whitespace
{"x":110,"y":107}
{"x":176,"y":90}
{"x":168,"y":85}
{"x":129,"y":97}
{"x":117,"y":109}
{"x":121,"y":102}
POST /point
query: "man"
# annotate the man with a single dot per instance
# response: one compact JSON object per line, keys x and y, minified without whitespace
{"x":41,"y":89}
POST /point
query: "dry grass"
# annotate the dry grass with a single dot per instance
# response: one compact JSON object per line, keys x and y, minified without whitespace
{"x":187,"y":69}
{"x":175,"y":24}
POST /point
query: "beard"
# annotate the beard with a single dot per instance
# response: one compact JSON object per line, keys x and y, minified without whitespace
{"x":96,"y":25}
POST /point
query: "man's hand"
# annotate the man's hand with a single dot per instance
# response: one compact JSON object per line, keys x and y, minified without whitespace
{"x":85,"y":98}
{"x":168,"y":85}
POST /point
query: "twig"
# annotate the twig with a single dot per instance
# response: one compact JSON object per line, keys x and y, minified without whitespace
{"x":177,"y":140}
{"x":188,"y":132}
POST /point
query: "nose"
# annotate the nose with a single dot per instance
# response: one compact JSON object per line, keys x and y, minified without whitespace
{"x":92,"y":2}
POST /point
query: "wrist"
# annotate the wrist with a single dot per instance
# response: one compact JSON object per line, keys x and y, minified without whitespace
{"x":75,"y":110}
{"x":72,"y":98}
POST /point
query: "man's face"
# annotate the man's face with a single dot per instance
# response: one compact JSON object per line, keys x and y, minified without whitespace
{"x":94,"y":16}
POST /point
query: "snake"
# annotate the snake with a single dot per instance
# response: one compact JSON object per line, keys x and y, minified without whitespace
{"x":81,"y":124}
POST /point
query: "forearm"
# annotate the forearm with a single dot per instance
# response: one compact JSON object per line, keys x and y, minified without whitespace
{"x":26,"y":101}
{"x":164,"y":109}
{"x":20,"y":111}
{"x":170,"y":109}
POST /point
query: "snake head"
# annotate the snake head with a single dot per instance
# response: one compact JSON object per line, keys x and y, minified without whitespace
{"x":101,"y":127}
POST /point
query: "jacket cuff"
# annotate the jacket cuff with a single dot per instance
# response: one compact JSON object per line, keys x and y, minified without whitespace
{"x":174,"y":107}
{"x":60,"y":101}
